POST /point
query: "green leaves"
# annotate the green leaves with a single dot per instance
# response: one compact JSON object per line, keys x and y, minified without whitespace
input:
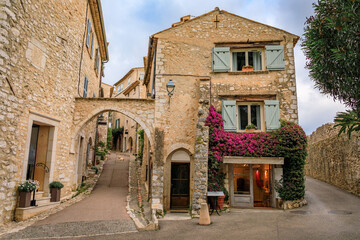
{"x":332,"y":47}
{"x":349,"y":122}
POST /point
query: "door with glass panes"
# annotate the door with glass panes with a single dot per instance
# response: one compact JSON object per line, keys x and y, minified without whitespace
{"x":180,"y":186}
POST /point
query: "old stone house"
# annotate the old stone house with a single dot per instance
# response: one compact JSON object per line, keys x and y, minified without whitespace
{"x":51,"y":53}
{"x":130,"y":86}
{"x":205,"y":58}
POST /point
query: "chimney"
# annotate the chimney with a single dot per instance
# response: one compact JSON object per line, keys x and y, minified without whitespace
{"x":182,"y":20}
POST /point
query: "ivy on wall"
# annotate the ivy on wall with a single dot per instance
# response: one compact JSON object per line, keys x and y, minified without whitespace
{"x":289,"y":142}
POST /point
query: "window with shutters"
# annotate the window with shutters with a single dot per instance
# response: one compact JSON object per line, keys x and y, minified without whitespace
{"x":226,"y":59}
{"x":250,"y":113}
{"x":85,"y":87}
{"x":88,"y":33}
{"x":97,"y":59}
{"x":250,"y":57}
{"x":265,"y":115}
{"x":92,"y":45}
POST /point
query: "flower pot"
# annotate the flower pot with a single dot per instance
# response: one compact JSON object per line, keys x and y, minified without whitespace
{"x":220,"y":201}
{"x":249,"y":130}
{"x":25,"y":198}
{"x":55,"y":194}
{"x":247,"y":69}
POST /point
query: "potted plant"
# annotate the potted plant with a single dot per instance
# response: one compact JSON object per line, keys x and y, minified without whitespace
{"x":25,"y":190}
{"x":55,"y":189}
{"x":247,"y":68}
{"x":250,"y":128}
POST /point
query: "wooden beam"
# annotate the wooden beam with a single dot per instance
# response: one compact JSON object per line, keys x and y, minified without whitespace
{"x":253,"y":160}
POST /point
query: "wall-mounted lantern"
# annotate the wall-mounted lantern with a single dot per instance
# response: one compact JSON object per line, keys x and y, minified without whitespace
{"x":170,"y":87}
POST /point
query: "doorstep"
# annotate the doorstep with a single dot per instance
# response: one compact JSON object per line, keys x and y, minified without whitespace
{"x":175,"y":216}
{"x":22,"y":214}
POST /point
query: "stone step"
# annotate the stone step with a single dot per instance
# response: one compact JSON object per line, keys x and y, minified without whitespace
{"x":42,"y":201}
{"x":22,"y":214}
{"x":39,"y":195}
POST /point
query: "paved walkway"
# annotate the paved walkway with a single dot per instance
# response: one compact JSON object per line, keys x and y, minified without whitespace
{"x":331,"y":214}
{"x":101,"y":213}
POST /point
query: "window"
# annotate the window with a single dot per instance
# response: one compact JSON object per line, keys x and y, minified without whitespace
{"x":120,"y":88}
{"x":269,"y":58}
{"x":141,"y":76}
{"x":237,"y":115}
{"x":250,"y":113}
{"x":117,"y":123}
{"x":129,"y":80}
{"x":96,"y":66}
{"x":247,"y":58}
{"x":85,"y":87}
{"x":92,"y":45}
{"x":88,"y":33}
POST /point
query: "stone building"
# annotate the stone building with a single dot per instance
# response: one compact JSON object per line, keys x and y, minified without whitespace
{"x":206,"y":59}
{"x":129,"y":86}
{"x":51,"y":53}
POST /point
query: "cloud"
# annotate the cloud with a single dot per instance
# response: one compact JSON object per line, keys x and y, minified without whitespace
{"x":129,"y":23}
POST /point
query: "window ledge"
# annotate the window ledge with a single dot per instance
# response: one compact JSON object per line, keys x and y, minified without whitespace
{"x":248,"y":73}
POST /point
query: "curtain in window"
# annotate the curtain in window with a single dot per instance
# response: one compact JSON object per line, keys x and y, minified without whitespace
{"x":257,"y":61}
{"x":235,"y":66}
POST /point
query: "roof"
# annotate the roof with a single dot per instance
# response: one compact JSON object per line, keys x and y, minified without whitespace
{"x":131,"y":87}
{"x":96,"y":12}
{"x":222,"y":11}
{"x":128,"y":74}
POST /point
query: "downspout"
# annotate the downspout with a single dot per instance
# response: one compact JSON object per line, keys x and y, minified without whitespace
{"x":154,"y":74}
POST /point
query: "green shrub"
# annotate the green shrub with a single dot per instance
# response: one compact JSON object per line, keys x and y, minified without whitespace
{"x":95,"y":168}
{"x":139,"y":156}
{"x":109,"y":139}
{"x":101,"y":144}
{"x":56,"y":184}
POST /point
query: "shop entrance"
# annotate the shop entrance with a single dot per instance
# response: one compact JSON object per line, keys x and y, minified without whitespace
{"x":251,"y":185}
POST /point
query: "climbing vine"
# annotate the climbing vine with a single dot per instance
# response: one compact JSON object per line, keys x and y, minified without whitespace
{"x":289,"y":142}
{"x":141,"y":133}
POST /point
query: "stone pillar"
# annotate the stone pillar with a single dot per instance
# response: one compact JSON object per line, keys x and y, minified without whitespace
{"x":157,"y":181}
{"x":201,"y":148}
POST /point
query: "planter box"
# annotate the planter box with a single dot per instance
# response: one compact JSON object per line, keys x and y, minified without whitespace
{"x":55,"y":194}
{"x":247,"y":69}
{"x":25,"y":198}
{"x":249,"y":130}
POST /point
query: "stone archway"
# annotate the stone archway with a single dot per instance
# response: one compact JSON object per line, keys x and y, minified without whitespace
{"x":140,"y":110}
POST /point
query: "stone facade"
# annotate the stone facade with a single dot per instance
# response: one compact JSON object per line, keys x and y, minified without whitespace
{"x":183,"y":53}
{"x":43,"y":64}
{"x":334,"y":159}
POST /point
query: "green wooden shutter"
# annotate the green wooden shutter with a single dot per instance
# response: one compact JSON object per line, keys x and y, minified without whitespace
{"x":275,"y":57}
{"x":88,"y":33}
{"x":221,"y":59}
{"x":229,"y":115}
{"x":92,"y":45}
{"x":272,"y":114}
{"x":85,"y":87}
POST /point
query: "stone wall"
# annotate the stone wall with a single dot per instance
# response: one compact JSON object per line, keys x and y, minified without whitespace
{"x":333,"y":159}
{"x":40,"y":56}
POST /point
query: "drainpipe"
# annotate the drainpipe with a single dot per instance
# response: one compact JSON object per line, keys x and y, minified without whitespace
{"x":154,"y":73}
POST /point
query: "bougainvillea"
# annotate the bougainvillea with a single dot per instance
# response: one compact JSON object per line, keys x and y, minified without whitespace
{"x":289,"y":142}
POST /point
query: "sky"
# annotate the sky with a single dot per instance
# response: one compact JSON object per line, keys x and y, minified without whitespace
{"x":129,"y":23}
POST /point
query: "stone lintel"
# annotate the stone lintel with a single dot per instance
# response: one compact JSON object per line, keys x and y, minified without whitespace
{"x":254,"y":160}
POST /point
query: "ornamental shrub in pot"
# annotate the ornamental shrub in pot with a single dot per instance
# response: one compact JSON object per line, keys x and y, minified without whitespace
{"x":25,"y":190}
{"x":250,"y":128}
{"x":55,"y":189}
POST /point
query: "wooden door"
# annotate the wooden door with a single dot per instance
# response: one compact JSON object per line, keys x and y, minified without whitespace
{"x":241,"y":189}
{"x":41,"y":155}
{"x":180,"y":186}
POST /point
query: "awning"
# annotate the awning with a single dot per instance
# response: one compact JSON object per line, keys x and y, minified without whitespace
{"x":253,"y":160}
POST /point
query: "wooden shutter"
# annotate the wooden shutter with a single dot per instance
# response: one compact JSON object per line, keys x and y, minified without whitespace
{"x":221,"y":59}
{"x":272,"y":114}
{"x":92,"y":45}
{"x":88,"y":33}
{"x":85,"y":87}
{"x":229,"y":115}
{"x":275,"y":57}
